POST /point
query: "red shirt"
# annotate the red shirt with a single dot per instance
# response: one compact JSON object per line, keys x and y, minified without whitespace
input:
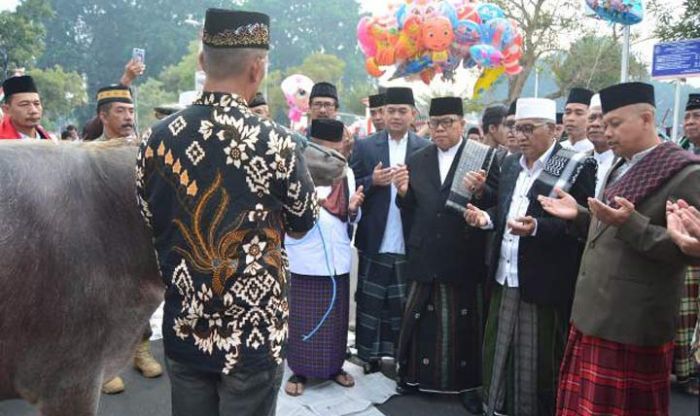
{"x":9,"y":131}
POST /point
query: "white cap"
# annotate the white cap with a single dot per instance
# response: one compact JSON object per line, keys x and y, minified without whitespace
{"x":595,"y":101}
{"x":542,"y":108}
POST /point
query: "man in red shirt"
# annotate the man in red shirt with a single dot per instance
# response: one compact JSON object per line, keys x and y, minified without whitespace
{"x":22,"y":109}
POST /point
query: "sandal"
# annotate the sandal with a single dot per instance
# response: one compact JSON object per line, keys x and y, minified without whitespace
{"x":344,"y":379}
{"x":295,"y":385}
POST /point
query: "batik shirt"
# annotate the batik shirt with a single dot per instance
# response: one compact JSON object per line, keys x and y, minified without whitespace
{"x":219,"y":187}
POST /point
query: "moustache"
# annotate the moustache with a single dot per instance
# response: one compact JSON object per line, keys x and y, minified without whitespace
{"x":129,"y":125}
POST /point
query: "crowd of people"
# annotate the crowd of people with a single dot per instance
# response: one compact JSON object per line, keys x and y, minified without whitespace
{"x":541,"y":263}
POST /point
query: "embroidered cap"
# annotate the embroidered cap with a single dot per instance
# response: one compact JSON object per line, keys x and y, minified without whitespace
{"x":257,"y":101}
{"x":443,"y":106}
{"x":399,"y":96}
{"x":114,"y":94}
{"x":693,"y":102}
{"x":376,"y":100}
{"x":542,"y":108}
{"x":236,"y":29}
{"x":579,"y":96}
{"x":628,"y":93}
{"x":327,"y":129}
{"x":595,"y":101}
{"x":324,"y":89}
{"x":16,"y":85}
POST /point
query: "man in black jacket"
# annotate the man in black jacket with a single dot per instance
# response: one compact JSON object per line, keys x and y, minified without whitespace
{"x":534,"y":266}
{"x":440,"y":341}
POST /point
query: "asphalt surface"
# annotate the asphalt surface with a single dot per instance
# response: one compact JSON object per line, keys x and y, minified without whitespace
{"x":151,"y":397}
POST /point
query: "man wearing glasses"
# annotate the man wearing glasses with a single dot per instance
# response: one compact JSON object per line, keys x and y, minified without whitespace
{"x":323,"y":101}
{"x":535,"y":268}
{"x":440,"y":342}
{"x":381,"y":291}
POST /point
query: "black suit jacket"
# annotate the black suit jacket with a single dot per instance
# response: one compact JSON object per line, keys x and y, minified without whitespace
{"x":440,"y":246}
{"x":548,"y":262}
{"x":375,"y":209}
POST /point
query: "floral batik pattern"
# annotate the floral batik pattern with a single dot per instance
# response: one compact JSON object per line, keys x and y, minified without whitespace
{"x":219,"y":187}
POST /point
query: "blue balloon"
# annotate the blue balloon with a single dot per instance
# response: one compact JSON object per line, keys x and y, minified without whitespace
{"x":412,"y":67}
{"x":448,"y":10}
{"x":401,"y":16}
{"x":489,"y":11}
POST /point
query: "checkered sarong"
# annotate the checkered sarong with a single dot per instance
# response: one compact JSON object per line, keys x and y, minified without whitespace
{"x":600,"y":377}
{"x":684,"y":365}
{"x":517,"y":334}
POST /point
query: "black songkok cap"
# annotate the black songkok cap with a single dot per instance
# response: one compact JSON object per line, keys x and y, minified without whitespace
{"x":257,"y":101}
{"x":621,"y":95}
{"x":324,"y":89}
{"x":580,"y":96}
{"x":236,"y":29}
{"x":399,"y":96}
{"x":376,"y":100}
{"x":114,"y":94}
{"x":513,"y":107}
{"x":693,"y":102}
{"x":16,"y":85}
{"x":443,"y":106}
{"x":560,"y":118}
{"x":327,"y":129}
{"x":474,"y":130}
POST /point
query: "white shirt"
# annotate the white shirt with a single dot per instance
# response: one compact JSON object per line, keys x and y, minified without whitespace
{"x":507,"y":272}
{"x":392,"y":242}
{"x":605,"y":161}
{"x":581,"y":146}
{"x":445,"y":159}
{"x":329,"y":237}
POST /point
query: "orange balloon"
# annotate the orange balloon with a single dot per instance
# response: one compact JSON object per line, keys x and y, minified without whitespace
{"x":438,"y":34}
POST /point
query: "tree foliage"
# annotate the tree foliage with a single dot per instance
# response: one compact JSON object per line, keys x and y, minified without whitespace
{"x":61,"y":92}
{"x":22,"y":34}
{"x":676,"y":25}
{"x":592,"y":62}
{"x":151,"y":94}
{"x":542,"y":22}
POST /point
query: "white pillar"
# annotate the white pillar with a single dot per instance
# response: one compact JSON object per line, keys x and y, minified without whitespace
{"x":676,"y":110}
{"x":624,"y":71}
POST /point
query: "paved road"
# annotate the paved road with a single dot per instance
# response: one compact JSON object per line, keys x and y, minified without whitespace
{"x":152,"y":398}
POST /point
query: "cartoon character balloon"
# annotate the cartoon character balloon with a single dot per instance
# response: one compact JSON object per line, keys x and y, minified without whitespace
{"x":296,"y":89}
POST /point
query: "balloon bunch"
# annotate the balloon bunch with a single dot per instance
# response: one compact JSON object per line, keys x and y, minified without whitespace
{"x":626,"y":12}
{"x":424,"y":38}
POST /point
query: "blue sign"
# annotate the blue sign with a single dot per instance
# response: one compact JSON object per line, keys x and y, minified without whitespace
{"x":676,"y":59}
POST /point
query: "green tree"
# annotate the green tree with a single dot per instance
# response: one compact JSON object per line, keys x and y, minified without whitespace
{"x":541,"y":22}
{"x":320,"y":67}
{"x":180,"y":76}
{"x":593,"y":62}
{"x":61,"y":92}
{"x":675,"y":24}
{"x":22,"y":34}
{"x":149,"y":95}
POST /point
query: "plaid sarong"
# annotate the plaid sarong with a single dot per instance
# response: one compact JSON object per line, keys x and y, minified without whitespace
{"x":523,"y":347}
{"x":684,"y":365}
{"x":440,"y":341}
{"x":600,"y":377}
{"x":381,"y":299}
{"x":323,"y":354}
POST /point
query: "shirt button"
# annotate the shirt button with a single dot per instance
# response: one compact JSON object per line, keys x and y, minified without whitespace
{"x":464,"y":312}
{"x":426,"y":361}
{"x":430,"y":308}
{"x":417,"y":315}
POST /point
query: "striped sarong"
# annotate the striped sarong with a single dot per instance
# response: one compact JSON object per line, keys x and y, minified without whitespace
{"x":523,"y":347}
{"x":323,"y":354}
{"x":440,"y":341}
{"x":600,"y":377}
{"x":684,"y":365}
{"x":381,"y":299}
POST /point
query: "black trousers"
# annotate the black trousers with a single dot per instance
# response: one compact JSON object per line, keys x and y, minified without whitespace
{"x":243,"y":393}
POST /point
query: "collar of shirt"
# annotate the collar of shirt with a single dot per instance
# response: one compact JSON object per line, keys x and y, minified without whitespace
{"x":603,"y":157}
{"x":539,"y":163}
{"x":451,"y":151}
{"x":396,"y":142}
{"x":639,"y":156}
{"x":220,"y":99}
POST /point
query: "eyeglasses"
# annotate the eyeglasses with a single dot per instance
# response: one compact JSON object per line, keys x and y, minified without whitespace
{"x":527,"y":129}
{"x":319,"y":105}
{"x":435,"y":123}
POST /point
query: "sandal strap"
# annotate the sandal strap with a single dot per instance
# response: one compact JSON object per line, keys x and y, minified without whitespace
{"x":297,"y":379}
